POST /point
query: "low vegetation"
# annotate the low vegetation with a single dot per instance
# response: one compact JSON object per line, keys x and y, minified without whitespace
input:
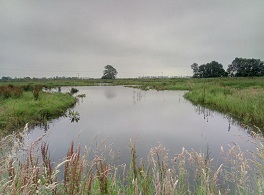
{"x":28,"y":169}
{"x":21,"y":105}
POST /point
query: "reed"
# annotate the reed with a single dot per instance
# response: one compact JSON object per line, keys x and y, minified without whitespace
{"x":28,"y":169}
{"x":10,"y":91}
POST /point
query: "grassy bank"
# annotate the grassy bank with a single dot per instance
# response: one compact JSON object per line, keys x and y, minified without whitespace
{"x":242,"y":98}
{"x":189,"y":172}
{"x":15,"y":112}
{"x":244,"y":104}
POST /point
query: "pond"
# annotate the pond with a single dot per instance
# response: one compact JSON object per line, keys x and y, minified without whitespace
{"x":117,"y":114}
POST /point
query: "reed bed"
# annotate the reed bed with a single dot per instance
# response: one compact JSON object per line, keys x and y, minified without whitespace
{"x":29,"y":169}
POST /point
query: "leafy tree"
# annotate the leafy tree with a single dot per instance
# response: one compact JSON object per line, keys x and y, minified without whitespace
{"x":195,"y":68}
{"x":242,"y":67}
{"x":212,"y":69}
{"x":109,"y":72}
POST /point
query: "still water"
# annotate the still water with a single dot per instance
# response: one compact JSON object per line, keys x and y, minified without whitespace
{"x":119,"y":114}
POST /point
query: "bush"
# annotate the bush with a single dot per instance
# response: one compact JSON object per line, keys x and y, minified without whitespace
{"x":74,"y":90}
{"x":36,"y":91}
{"x":10,"y":91}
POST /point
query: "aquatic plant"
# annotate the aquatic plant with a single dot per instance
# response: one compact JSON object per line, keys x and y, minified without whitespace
{"x":73,"y":90}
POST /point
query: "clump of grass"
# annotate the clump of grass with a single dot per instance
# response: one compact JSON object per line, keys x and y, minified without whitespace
{"x":36,"y":91}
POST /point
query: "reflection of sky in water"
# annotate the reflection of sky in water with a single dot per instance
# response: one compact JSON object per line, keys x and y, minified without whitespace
{"x":147,"y":117}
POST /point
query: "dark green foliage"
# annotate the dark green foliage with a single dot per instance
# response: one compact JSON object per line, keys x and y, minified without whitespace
{"x":74,"y":90}
{"x":195,"y":68}
{"x":242,"y":67}
{"x":6,"y":78}
{"x":212,"y":69}
{"x":109,"y":72}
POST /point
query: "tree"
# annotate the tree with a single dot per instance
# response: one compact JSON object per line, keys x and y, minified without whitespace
{"x":242,"y":67}
{"x":215,"y":69}
{"x":212,"y":69}
{"x":195,"y":68}
{"x":109,"y":72}
{"x":6,"y":78}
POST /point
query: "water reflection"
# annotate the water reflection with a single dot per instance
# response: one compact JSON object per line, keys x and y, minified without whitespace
{"x":43,"y":126}
{"x":209,"y":114}
{"x":109,"y":94}
{"x":121,"y":113}
{"x":138,"y":95}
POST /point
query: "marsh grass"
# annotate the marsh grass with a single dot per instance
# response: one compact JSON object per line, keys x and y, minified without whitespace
{"x":245,"y":105}
{"x":28,"y":169}
{"x":15,"y":112}
{"x":10,"y":91}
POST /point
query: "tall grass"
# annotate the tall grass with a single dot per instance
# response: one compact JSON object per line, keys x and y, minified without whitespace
{"x":29,"y":169}
{"x":10,"y":91}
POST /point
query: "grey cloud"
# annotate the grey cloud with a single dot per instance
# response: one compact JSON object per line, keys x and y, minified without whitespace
{"x":136,"y":36}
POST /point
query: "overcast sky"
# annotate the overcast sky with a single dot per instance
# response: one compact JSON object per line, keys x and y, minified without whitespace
{"x":138,"y":37}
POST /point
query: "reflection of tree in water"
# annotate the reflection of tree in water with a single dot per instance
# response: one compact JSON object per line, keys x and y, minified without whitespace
{"x":74,"y":116}
{"x":110,"y":94}
{"x":137,"y":96}
{"x":44,"y":126}
{"x":207,"y":113}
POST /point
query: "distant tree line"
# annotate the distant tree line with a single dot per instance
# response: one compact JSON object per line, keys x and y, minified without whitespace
{"x":240,"y":67}
{"x":5,"y":78}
